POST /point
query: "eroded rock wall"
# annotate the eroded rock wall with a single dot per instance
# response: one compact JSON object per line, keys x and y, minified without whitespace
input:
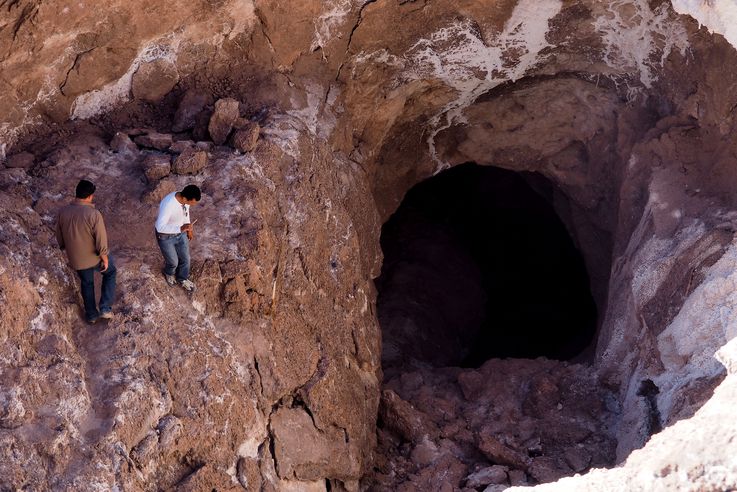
{"x":624,"y":104}
{"x":208,"y":391}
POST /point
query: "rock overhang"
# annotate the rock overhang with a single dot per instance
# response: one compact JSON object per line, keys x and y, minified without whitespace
{"x":406,"y":100}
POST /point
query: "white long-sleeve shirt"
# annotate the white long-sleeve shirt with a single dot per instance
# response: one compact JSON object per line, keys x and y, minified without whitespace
{"x":172,"y":215}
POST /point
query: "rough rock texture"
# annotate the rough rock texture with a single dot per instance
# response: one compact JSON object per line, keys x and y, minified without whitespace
{"x":542,"y":420}
{"x":121,"y":142}
{"x":177,"y":391}
{"x":222,"y":119}
{"x":191,"y":161}
{"x":182,"y":146}
{"x":625,"y":105}
{"x":245,"y":139}
{"x":154,"y":140}
{"x":153,"y":80}
{"x":156,"y":166}
{"x":155,"y":194}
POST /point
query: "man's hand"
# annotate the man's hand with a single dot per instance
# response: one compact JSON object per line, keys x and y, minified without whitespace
{"x":189,"y":230}
{"x":104,"y":261}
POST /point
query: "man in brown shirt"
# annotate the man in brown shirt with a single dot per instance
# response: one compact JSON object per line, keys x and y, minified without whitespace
{"x":80,"y":230}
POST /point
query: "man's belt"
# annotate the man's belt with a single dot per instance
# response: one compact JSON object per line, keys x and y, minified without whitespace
{"x":164,"y":235}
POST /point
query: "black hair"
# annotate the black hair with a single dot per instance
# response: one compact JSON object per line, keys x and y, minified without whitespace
{"x":84,"y":189}
{"x":191,"y":192}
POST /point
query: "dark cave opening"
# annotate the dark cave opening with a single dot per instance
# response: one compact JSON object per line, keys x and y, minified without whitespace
{"x":477,"y":265}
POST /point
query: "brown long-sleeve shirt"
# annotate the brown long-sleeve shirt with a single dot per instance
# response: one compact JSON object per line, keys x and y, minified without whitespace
{"x":80,"y":230}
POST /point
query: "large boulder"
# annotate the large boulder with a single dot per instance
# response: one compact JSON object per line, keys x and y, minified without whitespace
{"x":222,"y":120}
{"x":191,"y":161}
{"x":153,"y":80}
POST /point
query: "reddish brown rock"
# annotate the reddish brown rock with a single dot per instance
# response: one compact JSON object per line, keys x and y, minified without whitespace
{"x":248,"y":474}
{"x":303,"y":451}
{"x":518,"y":478}
{"x":162,"y":188}
{"x":403,"y":418}
{"x":543,"y":395}
{"x":153,"y":80}
{"x":122,"y":143}
{"x":135,"y":132}
{"x":245,"y":140}
{"x":156,"y":166}
{"x":637,"y":148}
{"x":95,"y":67}
{"x":241,"y":123}
{"x":499,"y":453}
{"x":154,"y":140}
{"x":181,"y":146}
{"x":200,"y":131}
{"x":208,"y":477}
{"x":222,"y":119}
{"x":190,"y":161}
{"x":13,"y":413}
{"x":169,"y":430}
{"x":144,"y":450}
{"x":472,"y":384}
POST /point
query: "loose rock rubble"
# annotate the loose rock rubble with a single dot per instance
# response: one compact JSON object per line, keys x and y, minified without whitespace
{"x":510,"y":422}
{"x":154,"y":140}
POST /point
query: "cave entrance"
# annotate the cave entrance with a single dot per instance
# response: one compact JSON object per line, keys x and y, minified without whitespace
{"x":477,"y":265}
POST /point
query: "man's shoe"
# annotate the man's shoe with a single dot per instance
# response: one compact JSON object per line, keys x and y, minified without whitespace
{"x":107,"y":315}
{"x":92,"y":321}
{"x":187,"y":285}
{"x":171,"y":280}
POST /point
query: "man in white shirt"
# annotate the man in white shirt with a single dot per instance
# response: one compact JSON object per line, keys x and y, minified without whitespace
{"x":173,"y":233}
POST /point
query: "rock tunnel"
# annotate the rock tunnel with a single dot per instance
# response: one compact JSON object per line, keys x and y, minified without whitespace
{"x":477,"y":265}
{"x":493,"y":248}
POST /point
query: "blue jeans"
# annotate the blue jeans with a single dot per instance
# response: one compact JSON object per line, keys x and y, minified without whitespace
{"x":87,"y":280}
{"x":175,"y":248}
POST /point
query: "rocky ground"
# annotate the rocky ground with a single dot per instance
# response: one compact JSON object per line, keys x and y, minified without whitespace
{"x":305,"y":125}
{"x":510,"y":422}
{"x":179,"y":391}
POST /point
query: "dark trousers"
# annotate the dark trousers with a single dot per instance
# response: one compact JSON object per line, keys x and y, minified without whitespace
{"x":175,"y":248}
{"x":87,"y":280}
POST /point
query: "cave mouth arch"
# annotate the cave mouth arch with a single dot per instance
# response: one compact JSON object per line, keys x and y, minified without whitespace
{"x":477,"y":265}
